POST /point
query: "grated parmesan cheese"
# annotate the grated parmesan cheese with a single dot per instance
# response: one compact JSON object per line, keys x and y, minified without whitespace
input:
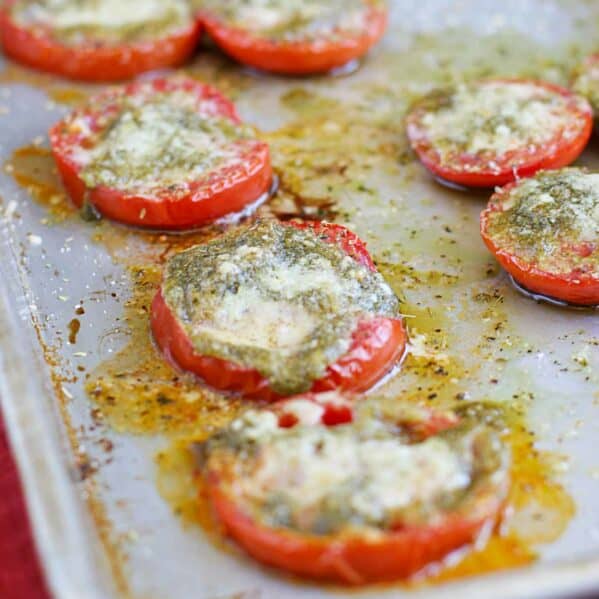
{"x":494,"y":118}
{"x":291,"y":19}
{"x":76,"y":21}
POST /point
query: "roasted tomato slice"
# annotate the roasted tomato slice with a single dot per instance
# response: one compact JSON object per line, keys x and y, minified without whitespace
{"x":294,"y":38}
{"x":274,"y":309}
{"x":545,"y":232}
{"x":374,"y":497}
{"x":167,"y":153}
{"x":494,"y":131}
{"x":98,"y":40}
{"x":586,"y":81}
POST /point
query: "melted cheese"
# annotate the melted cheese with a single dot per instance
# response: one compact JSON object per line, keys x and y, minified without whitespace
{"x":107,"y":13}
{"x":261,"y":15}
{"x":545,"y":216}
{"x":254,"y":425}
{"x":248,"y":318}
{"x":251,"y":317}
{"x":159,"y":141}
{"x":291,"y":19}
{"x":374,"y":477}
{"x":102,"y":17}
{"x":314,"y":275}
{"x":498,"y":117}
{"x":581,"y":212}
{"x":307,"y":412}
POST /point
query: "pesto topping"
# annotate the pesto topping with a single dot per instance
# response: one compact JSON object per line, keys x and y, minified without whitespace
{"x":491,"y":119}
{"x":160,"y":141}
{"x":77,"y":22}
{"x":552,"y":220}
{"x":292,"y":20}
{"x":274,"y":298}
{"x":368,"y":474}
{"x":586,"y":82}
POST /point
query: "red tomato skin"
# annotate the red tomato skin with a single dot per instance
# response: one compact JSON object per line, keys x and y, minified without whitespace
{"x":351,"y":560}
{"x":295,"y":58}
{"x":577,"y":288}
{"x":562,"y":155}
{"x":224,"y":192}
{"x":96,"y":64}
{"x":377,"y":342}
{"x":175,"y":213}
{"x":381,"y":338}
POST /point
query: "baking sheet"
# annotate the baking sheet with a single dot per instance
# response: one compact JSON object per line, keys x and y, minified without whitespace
{"x":102,"y":527}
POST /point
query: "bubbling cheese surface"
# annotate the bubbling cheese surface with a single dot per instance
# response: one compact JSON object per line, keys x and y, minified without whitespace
{"x":274,"y":298}
{"x":494,"y":118}
{"x":77,"y":21}
{"x":323,"y":479}
{"x":159,"y":141}
{"x":291,"y":19}
{"x":251,"y":319}
{"x":548,"y":218}
{"x":384,"y":476}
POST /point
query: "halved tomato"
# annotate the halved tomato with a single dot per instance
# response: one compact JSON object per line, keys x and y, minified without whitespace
{"x":545,"y":232}
{"x":373,"y":497}
{"x":586,"y":81}
{"x":377,"y":341}
{"x":295,"y":38}
{"x":82,"y":41}
{"x":170,"y":153}
{"x":495,"y":131}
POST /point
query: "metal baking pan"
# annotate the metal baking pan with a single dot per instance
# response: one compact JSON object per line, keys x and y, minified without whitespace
{"x":97,"y":499}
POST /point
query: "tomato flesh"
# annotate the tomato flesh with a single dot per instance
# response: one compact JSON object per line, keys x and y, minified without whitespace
{"x":221,"y":191}
{"x":295,"y":57}
{"x":377,"y":342}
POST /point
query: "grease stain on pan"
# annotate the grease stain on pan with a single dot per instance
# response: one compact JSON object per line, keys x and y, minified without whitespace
{"x":33,"y":168}
{"x":138,"y":391}
{"x":83,"y":469}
